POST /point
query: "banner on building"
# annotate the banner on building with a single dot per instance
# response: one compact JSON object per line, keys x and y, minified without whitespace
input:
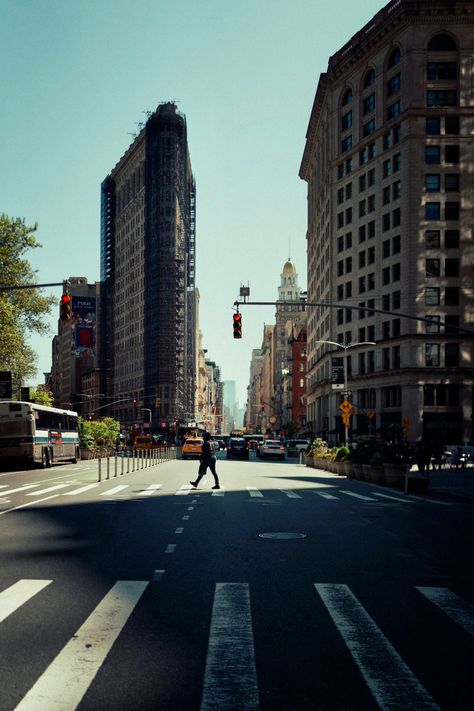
{"x":84,"y":318}
{"x":337,"y":375}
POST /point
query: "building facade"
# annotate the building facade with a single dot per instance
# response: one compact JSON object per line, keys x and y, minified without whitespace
{"x":148,"y":276}
{"x":388,"y":163}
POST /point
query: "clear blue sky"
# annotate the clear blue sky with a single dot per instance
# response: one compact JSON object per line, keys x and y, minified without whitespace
{"x":75,"y":79}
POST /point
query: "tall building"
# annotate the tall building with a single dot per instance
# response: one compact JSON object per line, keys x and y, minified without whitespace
{"x":388,"y":162}
{"x":148,"y":276}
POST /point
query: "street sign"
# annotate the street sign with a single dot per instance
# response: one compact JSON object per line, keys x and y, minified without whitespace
{"x":337,"y":374}
{"x":346,"y":418}
{"x":346,"y":406}
{"x":370,"y":414}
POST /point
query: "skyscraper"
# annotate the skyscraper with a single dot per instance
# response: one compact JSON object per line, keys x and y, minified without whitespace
{"x":148,"y":276}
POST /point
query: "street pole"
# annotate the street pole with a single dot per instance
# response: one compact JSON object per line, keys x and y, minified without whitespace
{"x":346,"y":419}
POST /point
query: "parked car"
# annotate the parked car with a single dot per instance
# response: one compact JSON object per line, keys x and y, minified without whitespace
{"x":272,"y":448}
{"x":237,"y":448}
{"x":192,"y":448}
{"x":295,"y":446}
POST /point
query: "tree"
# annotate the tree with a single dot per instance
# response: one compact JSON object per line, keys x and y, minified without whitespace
{"x":98,"y":433}
{"x":42,"y":395}
{"x":22,"y":311}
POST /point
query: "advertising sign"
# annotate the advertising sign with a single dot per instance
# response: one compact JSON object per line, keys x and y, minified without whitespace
{"x":337,"y":374}
{"x":84,"y":319}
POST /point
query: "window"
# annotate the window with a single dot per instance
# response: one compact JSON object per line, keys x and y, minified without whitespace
{"x":363,"y":156}
{"x":396,"y":132}
{"x":369,"y":78}
{"x":451,"y":182}
{"x":361,"y":233}
{"x":396,"y":272}
{"x":346,"y":144}
{"x":385,"y":330}
{"x":386,"y":358}
{"x":386,"y":249}
{"x":396,"y":162}
{"x":432,"y":182}
{"x":432,"y":239}
{"x":396,"y":190}
{"x":371,"y":177}
{"x":387,"y":141}
{"x":362,"y":363}
{"x":433,"y":125}
{"x":441,"y":71}
{"x":386,"y":275}
{"x":369,"y":104}
{"x":371,"y":255}
{"x":346,"y":121}
{"x":432,"y":155}
{"x":362,"y":208}
{"x":340,"y":171}
{"x":451,"y":296}
{"x":348,"y":240}
{"x":396,"y":300}
{"x":451,"y":239}
{"x":394,"y":58}
{"x":348,"y":265}
{"x":362,"y":183}
{"x":347,"y":98}
{"x":441,"y":395}
{"x":371,"y":281}
{"x":387,"y":168}
{"x":442,"y":43}
{"x":361,"y":260}
{"x":348,"y":191}
{"x":432,"y":268}
{"x":340,"y":219}
{"x":348,"y":166}
{"x":451,"y":267}
{"x":451,"y":154}
{"x":361,"y":285}
{"x":451,"y":125}
{"x":340,"y":267}
{"x":451,"y":355}
{"x":348,"y":215}
{"x":451,"y":211}
{"x":396,"y":244}
{"x":371,"y":333}
{"x":386,"y":195}
{"x":386,"y":302}
{"x":441,"y":97}
{"x":396,"y":217}
{"x":432,"y":355}
{"x":393,"y":85}
{"x":432,"y":296}
{"x":394,"y":110}
{"x":386,"y":221}
{"x":396,"y":357}
{"x":348,"y":289}
{"x":340,"y":196}
{"x":369,"y":127}
{"x":432,"y":325}
{"x":371,"y":203}
{"x":432,"y":211}
{"x":340,"y":316}
{"x":348,"y":315}
{"x":371,"y":229}
{"x":340,"y":292}
{"x":452,"y":323}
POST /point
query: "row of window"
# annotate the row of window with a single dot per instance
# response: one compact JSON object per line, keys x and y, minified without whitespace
{"x":433,"y":295}
{"x":433,"y":154}
{"x":433,"y":355}
{"x":433,"y":239}
{"x":433,"y":267}
{"x":433,"y":182}
{"x":451,"y":210}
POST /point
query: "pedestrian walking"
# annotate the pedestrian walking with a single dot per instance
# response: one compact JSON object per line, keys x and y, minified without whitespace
{"x":207,"y":459}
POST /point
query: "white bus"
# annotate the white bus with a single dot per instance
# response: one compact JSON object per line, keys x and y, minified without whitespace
{"x":37,"y":434}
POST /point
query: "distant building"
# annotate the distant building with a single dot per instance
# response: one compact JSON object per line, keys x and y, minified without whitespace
{"x":148,"y":276}
{"x":388,"y":163}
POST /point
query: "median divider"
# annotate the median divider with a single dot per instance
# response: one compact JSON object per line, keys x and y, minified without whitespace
{"x":140,"y":459}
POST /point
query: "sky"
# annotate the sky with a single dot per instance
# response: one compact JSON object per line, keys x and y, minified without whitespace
{"x":76,"y":78}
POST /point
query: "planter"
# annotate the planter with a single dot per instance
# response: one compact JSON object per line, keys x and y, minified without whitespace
{"x":348,"y":469}
{"x":88,"y":454}
{"x":395,"y":475}
{"x":377,"y":475}
{"x":357,"y":471}
{"x":366,"y":472}
{"x":339,"y":468}
{"x":309,"y":461}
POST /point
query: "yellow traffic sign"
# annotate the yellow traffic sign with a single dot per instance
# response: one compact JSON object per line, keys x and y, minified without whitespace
{"x":346,"y":418}
{"x":370,"y":414}
{"x":345,"y":406}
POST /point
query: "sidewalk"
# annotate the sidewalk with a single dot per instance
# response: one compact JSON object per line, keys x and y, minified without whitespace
{"x":449,"y":481}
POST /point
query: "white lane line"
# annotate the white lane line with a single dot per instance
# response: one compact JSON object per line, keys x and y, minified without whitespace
{"x":325,"y":496}
{"x":114,"y":490}
{"x":357,"y":496}
{"x":157,"y":575}
{"x":184,"y":490}
{"x":170,"y":548}
{"x":17,"y":594}
{"x":394,"y":498}
{"x":253,"y":491}
{"x":190,"y":508}
{"x":185,"y":518}
{"x":452,"y":605}
{"x":76,"y":492}
{"x":230,"y":678}
{"x":291,"y":494}
{"x":20,"y":488}
{"x":4,"y":486}
{"x":219,"y":492}
{"x":391,"y":681}
{"x":150,"y":490}
{"x":50,"y":488}
{"x":70,"y":674}
{"x":30,"y":503}
{"x":179,"y":530}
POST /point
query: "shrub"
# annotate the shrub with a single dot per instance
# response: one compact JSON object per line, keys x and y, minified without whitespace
{"x":342,"y":454}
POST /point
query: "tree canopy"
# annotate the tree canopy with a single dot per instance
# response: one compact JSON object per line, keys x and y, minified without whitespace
{"x":22,"y":311}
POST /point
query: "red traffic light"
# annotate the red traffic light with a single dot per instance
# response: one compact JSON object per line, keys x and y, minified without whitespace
{"x":65,"y":311}
{"x":237,"y":324}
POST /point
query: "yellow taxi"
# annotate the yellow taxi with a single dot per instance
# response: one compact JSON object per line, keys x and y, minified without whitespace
{"x":192,"y":448}
{"x":144,"y":442}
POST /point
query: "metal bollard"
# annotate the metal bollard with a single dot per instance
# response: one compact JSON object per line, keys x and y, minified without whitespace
{"x":100,"y":469}
{"x":108,"y":467}
{"x":115,"y":466}
{"x":133,"y":461}
{"x":122,"y":465}
{"x":128,"y":462}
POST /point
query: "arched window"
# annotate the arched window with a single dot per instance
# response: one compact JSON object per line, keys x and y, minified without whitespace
{"x":442,"y":43}
{"x":394,"y":58}
{"x":369,"y":78}
{"x":347,"y":98}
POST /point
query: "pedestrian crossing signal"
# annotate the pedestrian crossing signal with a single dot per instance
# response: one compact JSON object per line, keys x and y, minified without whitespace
{"x":65,"y":312}
{"x":237,"y":325}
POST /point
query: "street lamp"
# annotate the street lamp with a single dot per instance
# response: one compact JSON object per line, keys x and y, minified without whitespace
{"x":346,"y":348}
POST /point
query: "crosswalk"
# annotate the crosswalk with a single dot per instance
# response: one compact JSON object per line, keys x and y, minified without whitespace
{"x":111,"y":489}
{"x":230,"y":669}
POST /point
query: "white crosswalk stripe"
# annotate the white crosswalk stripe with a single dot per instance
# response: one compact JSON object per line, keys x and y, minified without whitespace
{"x":114,"y":490}
{"x":230,"y":675}
{"x":325,"y":495}
{"x":150,"y":490}
{"x":357,"y":496}
{"x":184,"y":490}
{"x":81,"y":490}
{"x":56,"y":487}
{"x":291,"y":494}
{"x":254,"y":492}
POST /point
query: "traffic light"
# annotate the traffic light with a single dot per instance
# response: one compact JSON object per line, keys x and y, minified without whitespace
{"x":237,"y":325}
{"x":65,"y":311}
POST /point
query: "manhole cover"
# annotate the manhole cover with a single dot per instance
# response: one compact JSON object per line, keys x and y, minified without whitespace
{"x":282,"y":535}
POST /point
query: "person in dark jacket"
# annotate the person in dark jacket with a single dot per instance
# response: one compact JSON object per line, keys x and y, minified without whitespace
{"x":207,"y":459}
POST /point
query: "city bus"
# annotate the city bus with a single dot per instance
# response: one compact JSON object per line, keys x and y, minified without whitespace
{"x":37,"y":434}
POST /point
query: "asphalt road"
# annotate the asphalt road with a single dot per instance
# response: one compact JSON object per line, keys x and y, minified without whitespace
{"x":288,"y":589}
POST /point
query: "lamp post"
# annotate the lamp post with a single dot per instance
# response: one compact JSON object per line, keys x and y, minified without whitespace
{"x":346,"y":348}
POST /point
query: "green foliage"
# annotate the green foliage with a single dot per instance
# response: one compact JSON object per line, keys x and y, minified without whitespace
{"x":42,"y":395}
{"x":22,"y":311}
{"x":317,"y":448}
{"x":342,"y":454}
{"x":98,"y":433}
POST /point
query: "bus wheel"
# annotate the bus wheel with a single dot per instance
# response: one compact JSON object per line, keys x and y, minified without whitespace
{"x":76,"y":456}
{"x":45,"y":458}
{"x":50,"y":457}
